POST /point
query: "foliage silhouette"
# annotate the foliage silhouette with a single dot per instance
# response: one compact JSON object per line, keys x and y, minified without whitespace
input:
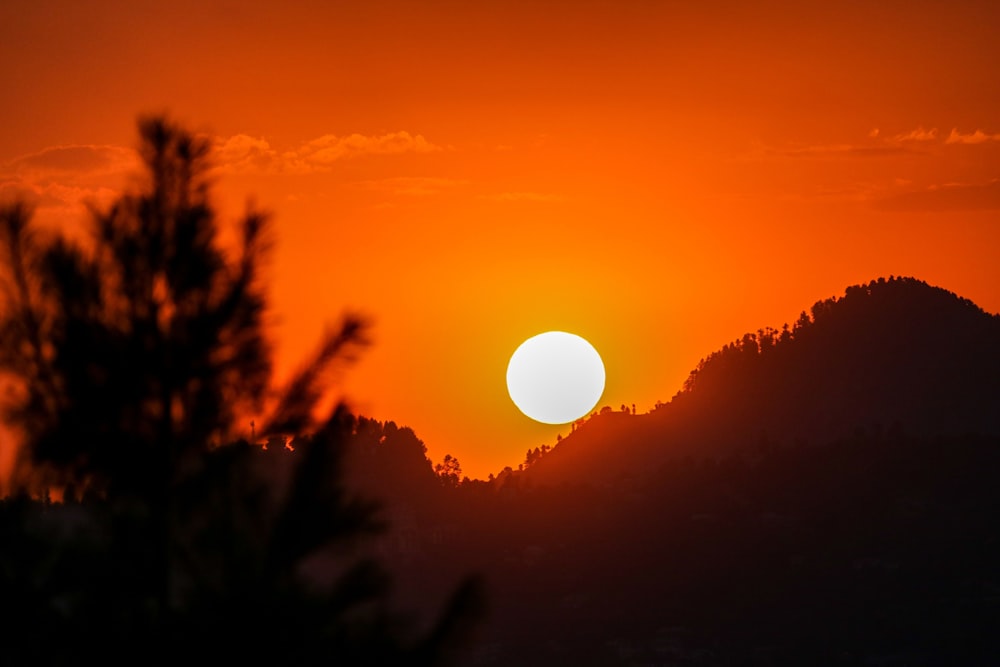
{"x":139,"y":351}
{"x":390,"y":463}
{"x":132,"y":359}
{"x":449,"y":471}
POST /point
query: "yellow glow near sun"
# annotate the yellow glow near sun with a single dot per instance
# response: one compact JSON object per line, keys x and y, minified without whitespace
{"x":555,"y":377}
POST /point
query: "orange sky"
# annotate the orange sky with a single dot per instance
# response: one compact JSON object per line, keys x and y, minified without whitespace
{"x":657,"y":179}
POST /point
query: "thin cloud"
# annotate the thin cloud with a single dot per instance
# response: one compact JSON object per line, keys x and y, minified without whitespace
{"x":946,"y":197}
{"x":412,"y":186}
{"x":524,"y":197}
{"x":878,"y":145}
{"x":238,"y":153}
{"x":73,"y":163}
{"x":842,"y":151}
{"x":919,"y":134}
{"x":60,"y":181}
{"x":56,"y":203}
{"x":45,"y":195}
{"x":242,"y":153}
{"x":321,"y":153}
{"x":977,"y":137}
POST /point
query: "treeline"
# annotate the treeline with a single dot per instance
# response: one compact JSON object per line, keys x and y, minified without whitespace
{"x":862,"y":314}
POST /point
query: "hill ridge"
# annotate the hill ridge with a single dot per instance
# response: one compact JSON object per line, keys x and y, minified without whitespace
{"x":891,"y":353}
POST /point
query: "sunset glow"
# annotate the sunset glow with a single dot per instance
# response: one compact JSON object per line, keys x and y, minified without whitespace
{"x":662,"y":178}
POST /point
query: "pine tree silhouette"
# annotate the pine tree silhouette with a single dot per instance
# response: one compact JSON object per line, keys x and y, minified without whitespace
{"x":133,"y":359}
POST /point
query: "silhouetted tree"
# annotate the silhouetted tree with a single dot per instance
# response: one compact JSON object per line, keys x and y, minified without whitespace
{"x":390,"y":463}
{"x":449,"y":470}
{"x":138,"y":351}
{"x":133,"y":358}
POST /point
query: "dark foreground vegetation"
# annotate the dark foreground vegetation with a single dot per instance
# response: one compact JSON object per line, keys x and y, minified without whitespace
{"x":821,"y":494}
{"x":130,"y":362}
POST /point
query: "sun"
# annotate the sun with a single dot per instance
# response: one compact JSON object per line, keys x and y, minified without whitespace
{"x":555,"y":377}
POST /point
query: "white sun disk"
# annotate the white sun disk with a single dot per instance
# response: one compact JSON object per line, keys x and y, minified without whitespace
{"x":555,"y":377}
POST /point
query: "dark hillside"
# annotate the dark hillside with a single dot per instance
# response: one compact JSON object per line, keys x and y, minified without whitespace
{"x":892,"y":354}
{"x":862,"y":551}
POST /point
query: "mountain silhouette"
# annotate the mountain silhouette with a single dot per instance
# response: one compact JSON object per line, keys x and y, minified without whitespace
{"x":820,"y":494}
{"x":895,"y":354}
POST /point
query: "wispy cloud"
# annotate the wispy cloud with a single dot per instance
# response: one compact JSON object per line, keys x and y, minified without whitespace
{"x":945,"y":197}
{"x":52,"y":198}
{"x":243,"y":153}
{"x":841,"y":151}
{"x":60,"y":181}
{"x":977,"y":137}
{"x":321,"y":153}
{"x":73,"y":164}
{"x":878,"y":144}
{"x":524,"y":197}
{"x":412,"y":186}
{"x":919,"y":134}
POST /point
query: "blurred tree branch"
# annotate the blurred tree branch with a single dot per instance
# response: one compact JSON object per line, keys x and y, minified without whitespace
{"x":134,"y":358}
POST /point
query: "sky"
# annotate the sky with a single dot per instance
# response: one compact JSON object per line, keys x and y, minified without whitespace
{"x":656,"y":177}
